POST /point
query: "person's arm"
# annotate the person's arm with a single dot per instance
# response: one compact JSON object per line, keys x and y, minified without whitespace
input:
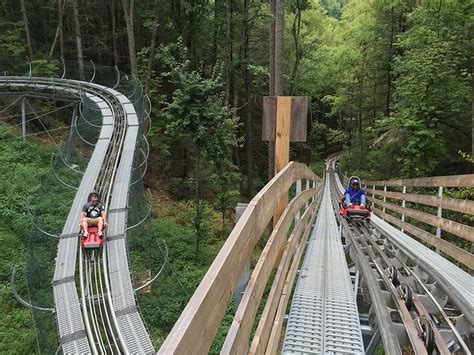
{"x":104,"y":215}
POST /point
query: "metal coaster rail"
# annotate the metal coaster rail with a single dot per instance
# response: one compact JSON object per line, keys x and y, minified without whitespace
{"x":96,"y":330}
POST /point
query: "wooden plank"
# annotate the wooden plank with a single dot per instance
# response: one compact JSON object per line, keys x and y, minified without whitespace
{"x":282,"y":145}
{"x":434,"y":181}
{"x":458,"y":229}
{"x":237,"y":338}
{"x":268,"y":120}
{"x":299,"y":118}
{"x":447,"y":203}
{"x":260,"y":339}
{"x":276,"y":328}
{"x":204,"y":312}
{"x":452,"y":250}
{"x":299,"y":121}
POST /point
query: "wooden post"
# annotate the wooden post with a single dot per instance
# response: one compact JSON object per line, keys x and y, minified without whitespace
{"x":244,"y":277}
{"x":282,"y":145}
{"x":298,"y":190}
{"x":384,"y":199}
{"x":284,"y":120}
{"x":307,"y":187}
{"x":439,"y":214}
{"x":403,"y":205}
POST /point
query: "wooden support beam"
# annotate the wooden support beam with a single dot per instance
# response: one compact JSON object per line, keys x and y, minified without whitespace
{"x":205,"y":310}
{"x":282,"y":145}
{"x":274,"y":339}
{"x":237,"y":338}
{"x":262,"y":334}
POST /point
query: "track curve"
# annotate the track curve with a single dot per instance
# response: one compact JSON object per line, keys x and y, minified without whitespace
{"x":109,"y":171}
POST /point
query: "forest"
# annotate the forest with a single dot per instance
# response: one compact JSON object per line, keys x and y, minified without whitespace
{"x":389,"y":82}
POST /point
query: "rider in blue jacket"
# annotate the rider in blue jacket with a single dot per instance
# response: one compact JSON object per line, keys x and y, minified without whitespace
{"x":354,"y":195}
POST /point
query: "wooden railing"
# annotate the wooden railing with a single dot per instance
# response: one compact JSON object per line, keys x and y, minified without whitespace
{"x":442,"y":202}
{"x":197,"y":326}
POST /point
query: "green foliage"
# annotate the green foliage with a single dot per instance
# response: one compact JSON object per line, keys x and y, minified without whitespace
{"x":12,"y":47}
{"x":45,"y":67}
{"x":23,"y":168}
{"x":197,"y":115}
{"x":170,"y":294}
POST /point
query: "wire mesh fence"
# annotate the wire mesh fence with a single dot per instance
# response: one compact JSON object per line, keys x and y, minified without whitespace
{"x":49,"y":208}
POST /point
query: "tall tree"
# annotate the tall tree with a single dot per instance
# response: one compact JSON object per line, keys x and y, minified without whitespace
{"x":279,"y":39}
{"x":271,"y":82}
{"x":78,"y":35}
{"x":128,"y":8}
{"x":59,"y":36}
{"x":113,"y":15}
{"x":27,"y":28}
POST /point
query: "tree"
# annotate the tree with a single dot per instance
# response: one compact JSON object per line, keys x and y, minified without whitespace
{"x":78,"y":35}
{"x":128,"y":9}
{"x":197,"y":114}
{"x":27,"y":28}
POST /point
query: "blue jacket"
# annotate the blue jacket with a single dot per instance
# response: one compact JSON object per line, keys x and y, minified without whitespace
{"x":355,"y":195}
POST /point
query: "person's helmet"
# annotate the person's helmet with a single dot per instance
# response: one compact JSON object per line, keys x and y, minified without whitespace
{"x":93,"y":193}
{"x":355,"y":181}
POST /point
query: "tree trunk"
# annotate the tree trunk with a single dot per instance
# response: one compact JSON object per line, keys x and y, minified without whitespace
{"x":128,"y":8}
{"x":59,"y":31}
{"x":298,"y":51}
{"x":279,"y":28}
{"x":230,"y":51}
{"x":176,"y":10}
{"x":78,"y":35}
{"x":271,"y":84}
{"x":388,"y":97}
{"x":359,"y":114}
{"x":248,"y":109}
{"x":27,"y":28}
{"x":271,"y":38}
{"x":114,"y":32}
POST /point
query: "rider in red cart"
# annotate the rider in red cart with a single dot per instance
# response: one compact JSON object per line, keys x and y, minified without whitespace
{"x":354,"y":195}
{"x":93,"y":214}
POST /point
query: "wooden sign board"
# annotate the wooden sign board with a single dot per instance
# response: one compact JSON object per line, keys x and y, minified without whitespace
{"x":299,"y":113}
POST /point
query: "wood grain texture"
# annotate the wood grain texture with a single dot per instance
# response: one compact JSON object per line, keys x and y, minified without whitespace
{"x":461,"y":230}
{"x":204,"y":312}
{"x":276,"y":328}
{"x":282,"y":146}
{"x":239,"y":332}
{"x":447,"y":203}
{"x":262,"y":334}
{"x":435,"y":181}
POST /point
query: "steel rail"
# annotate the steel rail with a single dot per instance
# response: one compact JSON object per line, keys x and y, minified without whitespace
{"x":418,"y":305}
{"x":429,"y":271}
{"x":409,"y":323}
{"x":385,"y":326}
